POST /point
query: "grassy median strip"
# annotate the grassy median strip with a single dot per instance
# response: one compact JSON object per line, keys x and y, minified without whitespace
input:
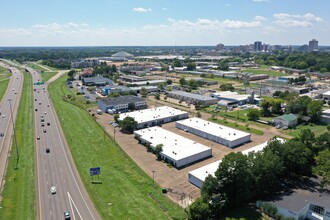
{"x":4,"y":75}
{"x":125,"y":192}
{"x":18,"y":196}
{"x":45,"y":76}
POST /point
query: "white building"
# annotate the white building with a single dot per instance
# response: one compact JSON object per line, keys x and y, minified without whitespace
{"x":218,"y":133}
{"x":198,"y":176}
{"x":155,"y":116}
{"x":177,"y":150}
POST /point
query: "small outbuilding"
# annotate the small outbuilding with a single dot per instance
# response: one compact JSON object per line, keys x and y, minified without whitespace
{"x":288,"y":120}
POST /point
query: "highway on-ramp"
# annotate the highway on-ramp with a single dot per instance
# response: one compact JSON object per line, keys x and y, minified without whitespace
{"x":9,"y":104}
{"x":55,"y":166}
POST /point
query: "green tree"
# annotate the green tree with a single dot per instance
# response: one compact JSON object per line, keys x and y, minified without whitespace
{"x":114,"y":68}
{"x":113,"y":94}
{"x":323,"y":70}
{"x":253,"y":114}
{"x":265,"y":105}
{"x":314,"y":109}
{"x":128,"y":125}
{"x":191,"y":66}
{"x":276,"y":106}
{"x":235,"y":179}
{"x":177,"y":63}
{"x":157,"y":96}
{"x":143,"y":92}
{"x":183,"y":81}
{"x":116,"y":117}
{"x":267,"y":169}
{"x":169,"y":82}
{"x":198,"y":114}
{"x":199,"y":210}
{"x":71,"y":74}
{"x":322,"y":167}
{"x":227,"y":87}
{"x":192,"y":84}
{"x":158,"y":149}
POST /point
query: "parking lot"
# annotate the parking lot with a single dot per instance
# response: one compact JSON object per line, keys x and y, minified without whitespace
{"x":176,"y":181}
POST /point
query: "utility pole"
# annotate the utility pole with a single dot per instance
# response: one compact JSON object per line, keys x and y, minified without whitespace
{"x":12,"y":121}
{"x":153,"y":177}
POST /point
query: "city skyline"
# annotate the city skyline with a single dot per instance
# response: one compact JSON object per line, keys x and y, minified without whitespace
{"x":164,"y":23}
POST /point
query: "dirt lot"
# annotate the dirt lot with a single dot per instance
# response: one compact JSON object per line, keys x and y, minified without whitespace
{"x":180,"y":190}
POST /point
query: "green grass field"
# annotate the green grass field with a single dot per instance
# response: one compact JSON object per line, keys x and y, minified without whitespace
{"x":317,"y":129}
{"x":265,"y":71}
{"x":237,"y":126}
{"x":19,"y":189}
{"x":4,"y":75}
{"x":45,"y":76}
{"x":126,"y":191}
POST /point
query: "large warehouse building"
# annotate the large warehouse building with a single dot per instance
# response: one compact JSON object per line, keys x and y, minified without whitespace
{"x":177,"y":150}
{"x":218,"y":133}
{"x":198,"y":176}
{"x":155,"y":116}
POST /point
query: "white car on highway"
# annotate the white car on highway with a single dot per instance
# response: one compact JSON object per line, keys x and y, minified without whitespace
{"x":53,"y":190}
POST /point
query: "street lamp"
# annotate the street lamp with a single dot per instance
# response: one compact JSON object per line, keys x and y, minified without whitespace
{"x":12,"y":121}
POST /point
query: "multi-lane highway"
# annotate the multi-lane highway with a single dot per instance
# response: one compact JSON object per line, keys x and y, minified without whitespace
{"x":55,"y":165}
{"x":8,"y":105}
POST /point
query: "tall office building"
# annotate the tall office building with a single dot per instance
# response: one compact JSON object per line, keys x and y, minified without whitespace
{"x":313,"y":45}
{"x":257,"y":46}
{"x":220,"y":47}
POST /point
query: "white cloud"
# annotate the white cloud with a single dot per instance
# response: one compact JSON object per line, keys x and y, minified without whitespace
{"x":241,"y":24}
{"x":142,"y":10}
{"x":259,"y":18}
{"x":164,"y":9}
{"x":228,"y":4}
{"x":287,"y":20}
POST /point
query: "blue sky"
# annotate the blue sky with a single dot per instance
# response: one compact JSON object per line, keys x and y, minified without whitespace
{"x":162,"y":22}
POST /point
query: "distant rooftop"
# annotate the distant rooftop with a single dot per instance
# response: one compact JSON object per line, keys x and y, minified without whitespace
{"x":152,"y":114}
{"x":122,"y":54}
{"x":192,"y":95}
{"x":122,"y":100}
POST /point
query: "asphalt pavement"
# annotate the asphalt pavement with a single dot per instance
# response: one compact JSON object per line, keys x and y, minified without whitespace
{"x":8,"y":109}
{"x":56,"y":167}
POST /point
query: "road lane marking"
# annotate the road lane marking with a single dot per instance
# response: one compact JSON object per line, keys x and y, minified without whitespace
{"x":72,"y":202}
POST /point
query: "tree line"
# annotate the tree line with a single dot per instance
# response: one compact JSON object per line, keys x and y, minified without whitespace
{"x":241,"y":179}
{"x":316,"y":61}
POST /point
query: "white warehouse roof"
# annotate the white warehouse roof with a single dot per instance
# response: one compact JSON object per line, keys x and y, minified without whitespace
{"x":152,"y":114}
{"x":174,"y":146}
{"x":199,"y":175}
{"x":218,"y":130}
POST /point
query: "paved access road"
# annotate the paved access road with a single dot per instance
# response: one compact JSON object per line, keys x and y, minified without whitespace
{"x":56,"y":167}
{"x":10,"y":99}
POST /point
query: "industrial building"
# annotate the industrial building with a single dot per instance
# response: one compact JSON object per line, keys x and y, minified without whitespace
{"x":177,"y":150}
{"x":198,"y":176}
{"x":232,"y":99}
{"x":106,"y":90}
{"x":192,"y":98}
{"x":287,"y":120}
{"x":97,"y":81}
{"x":121,"y":103}
{"x":155,"y":116}
{"x":148,"y":88}
{"x":149,"y":82}
{"x":218,"y":133}
{"x":325,"y":117}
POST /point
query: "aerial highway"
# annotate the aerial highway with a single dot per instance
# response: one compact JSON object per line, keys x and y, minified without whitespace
{"x":8,"y":109}
{"x":60,"y":190}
